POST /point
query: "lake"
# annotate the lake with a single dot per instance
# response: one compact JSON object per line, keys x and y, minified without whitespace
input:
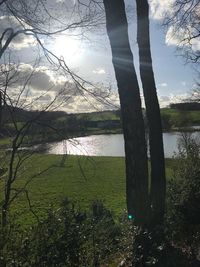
{"x":107,"y":145}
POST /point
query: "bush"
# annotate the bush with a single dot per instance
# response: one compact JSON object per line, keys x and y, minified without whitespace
{"x":67,"y":237}
{"x":166,"y":121}
{"x":177,"y":242}
{"x":183,"y":211}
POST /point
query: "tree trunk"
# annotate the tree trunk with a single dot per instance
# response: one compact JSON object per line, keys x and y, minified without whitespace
{"x":158,"y":180}
{"x":132,"y":118}
{"x":1,"y":111}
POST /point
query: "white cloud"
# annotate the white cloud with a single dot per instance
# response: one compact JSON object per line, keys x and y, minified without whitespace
{"x":39,"y":78}
{"x":176,"y":37}
{"x":21,"y":40}
{"x":163,"y":84}
{"x":181,"y":38}
{"x":159,"y":8}
{"x":99,"y":71}
{"x":42,"y":86}
{"x":35,"y":85}
{"x":172,"y":37}
{"x":78,"y":104}
{"x":164,"y":101}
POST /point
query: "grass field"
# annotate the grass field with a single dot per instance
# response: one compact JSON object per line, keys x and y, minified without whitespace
{"x":177,"y":116}
{"x":99,"y":116}
{"x":82,"y":179}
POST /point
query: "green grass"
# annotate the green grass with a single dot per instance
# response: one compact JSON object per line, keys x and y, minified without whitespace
{"x":4,"y":142}
{"x":99,"y":116}
{"x":82,"y":179}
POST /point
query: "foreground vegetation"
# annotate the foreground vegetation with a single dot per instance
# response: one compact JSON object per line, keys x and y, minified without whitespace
{"x":46,"y":229}
{"x":68,"y":236}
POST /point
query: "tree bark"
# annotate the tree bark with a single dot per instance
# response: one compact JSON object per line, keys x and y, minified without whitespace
{"x":131,"y":111}
{"x":158,"y":180}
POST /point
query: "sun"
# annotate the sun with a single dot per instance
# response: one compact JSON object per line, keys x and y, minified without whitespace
{"x":68,"y":47}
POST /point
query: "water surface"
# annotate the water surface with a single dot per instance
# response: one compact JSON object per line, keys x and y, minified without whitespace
{"x":107,"y":145}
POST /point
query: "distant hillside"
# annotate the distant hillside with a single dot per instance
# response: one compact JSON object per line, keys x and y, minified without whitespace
{"x":22,"y":115}
{"x":109,"y":119}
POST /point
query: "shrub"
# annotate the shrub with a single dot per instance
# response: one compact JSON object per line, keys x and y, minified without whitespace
{"x":183,"y":211}
{"x":67,"y":237}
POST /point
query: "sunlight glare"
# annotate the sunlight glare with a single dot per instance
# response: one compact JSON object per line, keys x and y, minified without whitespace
{"x":68,"y":47}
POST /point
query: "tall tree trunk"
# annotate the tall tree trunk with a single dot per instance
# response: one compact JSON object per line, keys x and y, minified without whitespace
{"x":132,"y":118}
{"x":158,"y":180}
{"x":1,"y":111}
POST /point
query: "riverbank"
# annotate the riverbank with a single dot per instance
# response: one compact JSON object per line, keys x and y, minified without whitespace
{"x":36,"y":140}
{"x":6,"y":143}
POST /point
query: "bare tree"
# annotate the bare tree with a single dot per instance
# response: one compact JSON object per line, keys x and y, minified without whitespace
{"x":15,"y":84}
{"x":15,"y":158}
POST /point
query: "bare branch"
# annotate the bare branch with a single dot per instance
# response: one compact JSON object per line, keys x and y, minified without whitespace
{"x":183,"y":19}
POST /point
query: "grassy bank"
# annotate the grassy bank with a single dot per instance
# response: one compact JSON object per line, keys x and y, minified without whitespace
{"x":82,"y":179}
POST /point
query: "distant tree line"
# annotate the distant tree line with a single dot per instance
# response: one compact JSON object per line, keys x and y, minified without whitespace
{"x":23,"y":115}
{"x":186,"y":106}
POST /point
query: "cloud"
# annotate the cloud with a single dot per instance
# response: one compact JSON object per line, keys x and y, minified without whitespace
{"x":39,"y":78}
{"x":45,"y":98}
{"x":175,"y":36}
{"x":35,"y":85}
{"x":181,"y":38}
{"x":78,"y":104}
{"x":21,"y":40}
{"x":163,"y":84}
{"x":99,"y":71}
{"x":160,"y":7}
{"x":172,"y":37}
{"x":164,"y":101}
{"x":42,"y":86}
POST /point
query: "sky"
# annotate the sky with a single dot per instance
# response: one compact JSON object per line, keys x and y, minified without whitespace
{"x":89,"y":56}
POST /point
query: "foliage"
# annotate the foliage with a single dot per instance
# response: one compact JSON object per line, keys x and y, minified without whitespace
{"x":176,"y":243}
{"x":183,"y":213}
{"x":67,"y":237}
{"x":166,"y":121}
{"x":186,"y":106}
